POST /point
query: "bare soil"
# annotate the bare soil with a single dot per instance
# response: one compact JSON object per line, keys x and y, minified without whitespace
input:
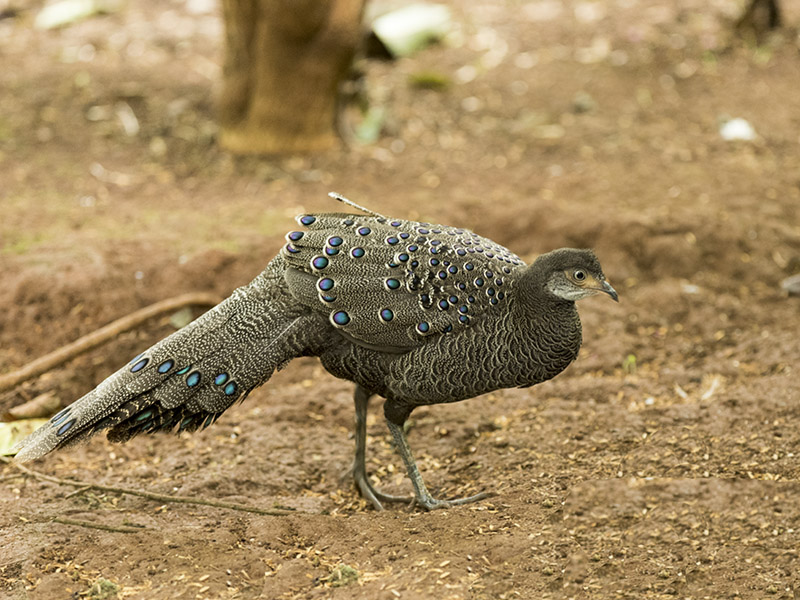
{"x":663,"y":464}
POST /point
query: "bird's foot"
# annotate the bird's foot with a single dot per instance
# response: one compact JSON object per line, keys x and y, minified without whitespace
{"x":428,"y":502}
{"x":375,"y":496}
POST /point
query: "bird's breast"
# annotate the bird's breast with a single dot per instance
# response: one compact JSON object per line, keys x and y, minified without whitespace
{"x":497,"y":354}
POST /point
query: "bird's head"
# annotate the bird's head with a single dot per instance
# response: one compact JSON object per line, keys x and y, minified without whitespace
{"x":572,"y":274}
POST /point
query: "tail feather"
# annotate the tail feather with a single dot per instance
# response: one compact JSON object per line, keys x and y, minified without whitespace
{"x":187,"y":380}
{"x":152,"y":419}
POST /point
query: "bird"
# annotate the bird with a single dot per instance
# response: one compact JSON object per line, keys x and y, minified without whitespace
{"x":416,"y":313}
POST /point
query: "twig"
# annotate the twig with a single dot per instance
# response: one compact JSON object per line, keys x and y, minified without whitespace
{"x":148,"y":495}
{"x":91,"y":525}
{"x":102,"y":335}
{"x":77,"y":492}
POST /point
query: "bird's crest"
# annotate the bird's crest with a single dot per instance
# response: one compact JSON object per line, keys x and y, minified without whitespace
{"x":344,"y":200}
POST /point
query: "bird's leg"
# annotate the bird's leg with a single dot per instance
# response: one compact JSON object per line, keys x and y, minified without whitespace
{"x":423,"y":496}
{"x":363,"y":484}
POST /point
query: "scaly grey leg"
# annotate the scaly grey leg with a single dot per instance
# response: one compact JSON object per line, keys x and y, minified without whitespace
{"x":363,"y":484}
{"x":423,"y":497}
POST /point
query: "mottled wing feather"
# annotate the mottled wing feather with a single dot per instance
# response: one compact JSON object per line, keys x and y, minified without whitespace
{"x":389,"y":283}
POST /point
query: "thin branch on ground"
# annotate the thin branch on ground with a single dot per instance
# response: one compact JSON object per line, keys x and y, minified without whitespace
{"x":77,"y":492}
{"x":103,"y":335}
{"x":91,"y":525}
{"x":149,"y":495}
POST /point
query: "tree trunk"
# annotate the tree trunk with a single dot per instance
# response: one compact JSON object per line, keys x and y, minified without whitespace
{"x":283,"y":65}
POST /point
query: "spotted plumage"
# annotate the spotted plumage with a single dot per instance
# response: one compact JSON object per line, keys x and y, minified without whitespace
{"x":412,"y":279}
{"x":415,"y":312}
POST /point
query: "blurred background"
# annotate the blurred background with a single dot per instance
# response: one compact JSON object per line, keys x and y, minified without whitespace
{"x":153,"y":148}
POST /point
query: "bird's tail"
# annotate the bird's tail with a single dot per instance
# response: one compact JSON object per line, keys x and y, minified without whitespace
{"x":188,"y":379}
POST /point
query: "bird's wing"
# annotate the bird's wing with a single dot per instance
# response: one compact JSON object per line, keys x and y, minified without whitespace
{"x":388,"y":284}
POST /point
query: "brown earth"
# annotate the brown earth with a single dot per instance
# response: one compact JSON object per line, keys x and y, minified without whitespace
{"x":663,"y":464}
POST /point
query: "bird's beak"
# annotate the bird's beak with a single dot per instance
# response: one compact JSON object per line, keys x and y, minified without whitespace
{"x":606,"y":287}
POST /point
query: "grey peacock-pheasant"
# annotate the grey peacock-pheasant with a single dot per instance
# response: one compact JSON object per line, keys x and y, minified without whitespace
{"x":417,"y":313}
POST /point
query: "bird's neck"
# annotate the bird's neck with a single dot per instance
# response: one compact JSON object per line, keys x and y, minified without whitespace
{"x":533,"y":294}
{"x":549,"y":323}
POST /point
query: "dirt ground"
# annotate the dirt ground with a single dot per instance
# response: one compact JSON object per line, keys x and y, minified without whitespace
{"x":663,"y":464}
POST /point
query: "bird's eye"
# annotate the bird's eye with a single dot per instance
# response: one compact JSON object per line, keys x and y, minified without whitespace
{"x":579,"y":275}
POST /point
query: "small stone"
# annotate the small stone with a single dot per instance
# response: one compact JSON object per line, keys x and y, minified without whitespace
{"x":792,"y":285}
{"x":583,"y":103}
{"x":737,"y":129}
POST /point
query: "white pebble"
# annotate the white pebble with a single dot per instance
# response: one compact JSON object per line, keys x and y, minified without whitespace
{"x":737,"y":129}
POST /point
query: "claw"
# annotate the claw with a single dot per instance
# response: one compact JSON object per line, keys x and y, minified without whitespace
{"x":374,"y":495}
{"x":431,"y":503}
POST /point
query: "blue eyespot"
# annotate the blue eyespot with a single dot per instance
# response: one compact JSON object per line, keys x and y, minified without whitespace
{"x":65,"y":427}
{"x":60,"y":416}
{"x":319,"y":262}
{"x":341,"y":317}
